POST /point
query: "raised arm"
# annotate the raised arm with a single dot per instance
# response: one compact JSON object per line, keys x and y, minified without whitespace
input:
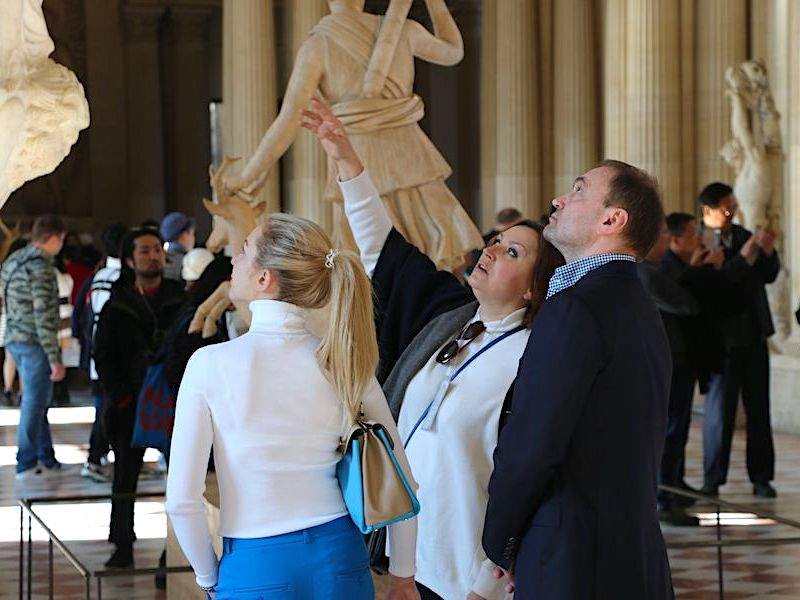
{"x":369,"y":221}
{"x":445,"y":47}
{"x":302,"y":84}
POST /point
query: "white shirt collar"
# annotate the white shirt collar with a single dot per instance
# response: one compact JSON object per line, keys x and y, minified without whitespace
{"x":504,"y":324}
{"x":275,"y":316}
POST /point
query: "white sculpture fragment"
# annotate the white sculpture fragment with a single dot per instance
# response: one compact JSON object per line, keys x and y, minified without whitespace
{"x":42,"y":104}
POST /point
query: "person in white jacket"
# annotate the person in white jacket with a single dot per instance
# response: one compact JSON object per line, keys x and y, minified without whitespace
{"x":457,"y":352}
{"x":274,"y":403}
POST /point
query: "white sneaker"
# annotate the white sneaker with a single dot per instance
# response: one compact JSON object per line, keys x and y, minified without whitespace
{"x":95,"y":473}
{"x":32,"y":474}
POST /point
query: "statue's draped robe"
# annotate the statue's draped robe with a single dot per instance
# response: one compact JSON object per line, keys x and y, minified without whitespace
{"x":406,"y":167}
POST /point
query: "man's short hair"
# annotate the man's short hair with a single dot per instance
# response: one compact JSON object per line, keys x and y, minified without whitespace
{"x":637,"y":192}
{"x":129,"y":241}
{"x":713,"y":194}
{"x":46,"y":227}
{"x":677,"y":222}
{"x":508,"y":215}
{"x":112,"y":237}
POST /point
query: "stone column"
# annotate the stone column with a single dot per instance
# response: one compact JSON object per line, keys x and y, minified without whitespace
{"x":307,"y":162}
{"x":720,"y":41}
{"x":516,"y":121}
{"x":575,"y":111}
{"x":614,"y":72}
{"x":250,"y":90}
{"x":654,"y":104}
{"x":190,"y":129}
{"x":488,"y":119}
{"x":145,"y":173}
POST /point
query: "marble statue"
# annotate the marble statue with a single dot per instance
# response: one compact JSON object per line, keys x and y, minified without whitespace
{"x":756,"y":142}
{"x":42,"y":104}
{"x":362,"y":65}
{"x":756,"y":155}
{"x":234,"y":219}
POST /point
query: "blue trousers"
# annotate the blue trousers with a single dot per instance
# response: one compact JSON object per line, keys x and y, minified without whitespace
{"x":34,"y":443}
{"x":326,"y":562}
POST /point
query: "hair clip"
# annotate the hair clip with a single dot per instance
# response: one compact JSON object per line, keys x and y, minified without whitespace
{"x":329,"y":258}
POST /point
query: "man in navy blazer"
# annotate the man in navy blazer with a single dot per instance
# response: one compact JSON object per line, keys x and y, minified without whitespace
{"x":572,"y":500}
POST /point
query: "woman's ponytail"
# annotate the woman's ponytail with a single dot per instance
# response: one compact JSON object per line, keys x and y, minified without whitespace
{"x":348,"y":352}
{"x":313,"y":275}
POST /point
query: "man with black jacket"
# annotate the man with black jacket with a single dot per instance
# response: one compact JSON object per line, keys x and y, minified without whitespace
{"x":142,"y":306}
{"x":695,"y":341}
{"x":751,"y":261}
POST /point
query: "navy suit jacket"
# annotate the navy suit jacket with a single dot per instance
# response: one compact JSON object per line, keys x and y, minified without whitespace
{"x":572,"y":500}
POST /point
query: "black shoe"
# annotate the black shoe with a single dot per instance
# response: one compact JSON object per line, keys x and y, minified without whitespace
{"x":764,"y":490}
{"x":709,"y":489}
{"x":684,"y":501}
{"x":678,"y":517}
{"x":121,"y":559}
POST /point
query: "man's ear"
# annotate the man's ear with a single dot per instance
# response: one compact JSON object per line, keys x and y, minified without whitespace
{"x":614,"y":220}
{"x":129,"y":262}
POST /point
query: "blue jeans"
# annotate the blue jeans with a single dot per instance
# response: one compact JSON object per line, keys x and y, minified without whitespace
{"x":33,"y":434}
{"x":326,"y":562}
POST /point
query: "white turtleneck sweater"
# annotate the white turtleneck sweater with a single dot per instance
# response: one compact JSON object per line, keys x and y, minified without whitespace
{"x":275,"y":422}
{"x":451,"y":455}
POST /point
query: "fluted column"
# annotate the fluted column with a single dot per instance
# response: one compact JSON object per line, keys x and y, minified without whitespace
{"x":518,"y":169}
{"x":720,"y":42}
{"x":144,"y":113}
{"x":250,"y":90}
{"x":654,"y":103}
{"x":488,"y":102}
{"x":614,"y":69}
{"x":575,"y":111}
{"x":307,"y":163}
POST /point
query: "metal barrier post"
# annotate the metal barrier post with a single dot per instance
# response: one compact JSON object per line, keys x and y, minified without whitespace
{"x":21,"y":549}
{"x":50,"y":567}
{"x":720,"y":573}
{"x":30,"y":557}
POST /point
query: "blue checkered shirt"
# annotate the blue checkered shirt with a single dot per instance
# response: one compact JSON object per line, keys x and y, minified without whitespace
{"x":569,"y":274}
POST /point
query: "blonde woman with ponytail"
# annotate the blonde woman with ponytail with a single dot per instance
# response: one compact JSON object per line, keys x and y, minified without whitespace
{"x":274,"y":404}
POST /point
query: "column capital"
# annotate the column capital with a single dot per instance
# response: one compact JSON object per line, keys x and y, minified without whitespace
{"x":141,"y":23}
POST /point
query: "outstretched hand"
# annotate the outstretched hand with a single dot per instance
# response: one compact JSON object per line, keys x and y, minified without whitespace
{"x":321,"y":121}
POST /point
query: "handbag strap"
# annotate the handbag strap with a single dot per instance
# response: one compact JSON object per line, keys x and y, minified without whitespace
{"x":458,"y":372}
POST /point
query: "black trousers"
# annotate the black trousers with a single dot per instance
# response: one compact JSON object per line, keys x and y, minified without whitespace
{"x":746,"y":370}
{"x":127,"y":464}
{"x":679,"y":417}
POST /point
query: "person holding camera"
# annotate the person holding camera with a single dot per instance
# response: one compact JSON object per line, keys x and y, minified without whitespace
{"x":751,"y":262}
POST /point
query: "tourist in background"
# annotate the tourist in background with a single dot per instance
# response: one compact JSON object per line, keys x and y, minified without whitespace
{"x":30,"y":296}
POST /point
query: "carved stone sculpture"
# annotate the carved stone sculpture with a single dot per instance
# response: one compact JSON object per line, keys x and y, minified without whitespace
{"x":756,"y":141}
{"x":363,"y":67}
{"x":756,"y":154}
{"x":234,"y":219}
{"x":42,"y":104}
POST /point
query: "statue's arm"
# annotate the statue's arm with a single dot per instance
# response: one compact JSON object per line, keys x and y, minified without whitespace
{"x":303,"y":82}
{"x":445,"y":47}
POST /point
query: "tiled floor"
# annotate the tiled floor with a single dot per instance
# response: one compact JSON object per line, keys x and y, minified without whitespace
{"x":771,"y":572}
